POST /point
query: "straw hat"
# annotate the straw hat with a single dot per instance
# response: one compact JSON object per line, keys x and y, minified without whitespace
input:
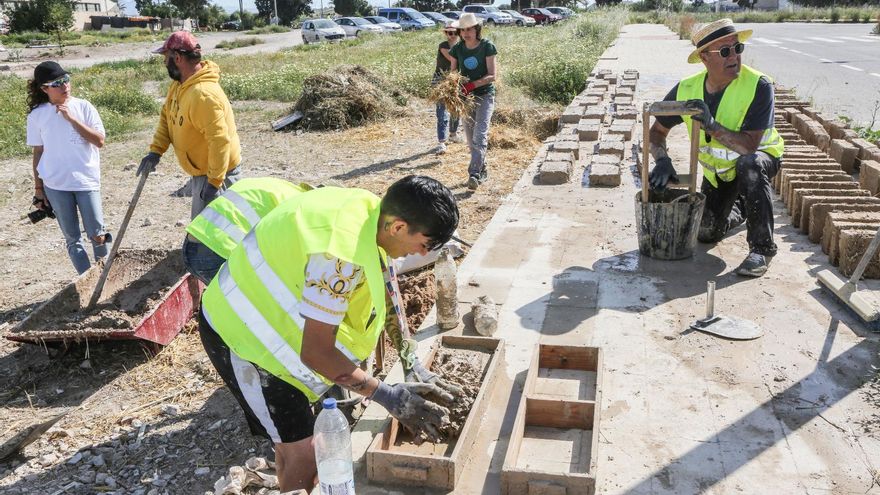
{"x":466,"y":20}
{"x":707,"y":33}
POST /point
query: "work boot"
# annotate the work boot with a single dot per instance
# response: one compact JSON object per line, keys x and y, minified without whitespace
{"x":754,"y":265}
{"x":440,"y":149}
{"x":473,"y":182}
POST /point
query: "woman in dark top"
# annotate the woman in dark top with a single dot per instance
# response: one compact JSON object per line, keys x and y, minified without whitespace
{"x":445,"y":122}
{"x":475,"y":59}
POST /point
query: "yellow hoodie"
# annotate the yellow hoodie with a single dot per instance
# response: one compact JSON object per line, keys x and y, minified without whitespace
{"x":197,"y":119}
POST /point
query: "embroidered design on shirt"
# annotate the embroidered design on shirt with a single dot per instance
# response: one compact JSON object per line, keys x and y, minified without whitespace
{"x":338,"y":284}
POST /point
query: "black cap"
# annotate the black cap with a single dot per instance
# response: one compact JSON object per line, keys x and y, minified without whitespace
{"x":47,"y":72}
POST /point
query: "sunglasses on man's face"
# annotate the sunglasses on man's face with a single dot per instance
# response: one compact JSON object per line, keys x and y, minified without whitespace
{"x":58,"y":82}
{"x":725,"y":51}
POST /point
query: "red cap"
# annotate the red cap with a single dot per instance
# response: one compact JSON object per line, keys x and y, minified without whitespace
{"x":180,"y":40}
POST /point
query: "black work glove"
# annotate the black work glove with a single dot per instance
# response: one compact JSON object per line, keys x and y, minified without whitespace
{"x":148,"y":164}
{"x":420,"y":374}
{"x":407,"y":403}
{"x":705,"y":116}
{"x":662,"y":174}
{"x":209,"y":193}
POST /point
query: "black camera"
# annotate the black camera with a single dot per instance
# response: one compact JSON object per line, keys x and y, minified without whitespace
{"x":40,"y":213}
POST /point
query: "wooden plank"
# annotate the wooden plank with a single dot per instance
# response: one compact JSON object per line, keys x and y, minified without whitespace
{"x":560,"y":413}
{"x":431,"y":465}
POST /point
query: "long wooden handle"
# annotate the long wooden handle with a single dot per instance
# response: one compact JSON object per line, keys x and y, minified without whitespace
{"x":646,"y":130}
{"x":116,"y":242}
{"x":695,"y":149}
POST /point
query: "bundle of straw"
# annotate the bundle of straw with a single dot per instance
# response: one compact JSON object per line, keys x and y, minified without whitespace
{"x":448,"y":92}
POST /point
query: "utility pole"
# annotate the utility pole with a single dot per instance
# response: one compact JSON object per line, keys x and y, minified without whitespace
{"x":241,"y":12}
{"x":275,"y":3}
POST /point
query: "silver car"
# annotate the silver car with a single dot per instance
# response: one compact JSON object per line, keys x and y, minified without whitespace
{"x":354,"y":26}
{"x":519,"y":19}
{"x":316,"y":30}
{"x":383,"y":22}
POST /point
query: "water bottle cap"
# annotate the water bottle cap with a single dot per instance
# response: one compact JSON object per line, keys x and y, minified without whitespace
{"x":329,"y":403}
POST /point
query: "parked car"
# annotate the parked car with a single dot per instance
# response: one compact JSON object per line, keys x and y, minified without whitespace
{"x":541,"y":16}
{"x":316,"y":30}
{"x":354,"y":26}
{"x":489,"y":13}
{"x":231,"y":25}
{"x":452,"y":14}
{"x":407,"y":18}
{"x":519,"y":19}
{"x":438,"y":18}
{"x":385,"y":24}
{"x":563,"y":12}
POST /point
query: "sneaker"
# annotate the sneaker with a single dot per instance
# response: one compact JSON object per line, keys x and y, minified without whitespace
{"x":455,"y":138}
{"x":484,"y":175}
{"x":440,"y":149}
{"x":754,"y":265}
{"x":473,"y":182}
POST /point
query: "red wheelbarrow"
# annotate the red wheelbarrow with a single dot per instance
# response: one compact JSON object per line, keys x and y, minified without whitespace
{"x":147,"y":295}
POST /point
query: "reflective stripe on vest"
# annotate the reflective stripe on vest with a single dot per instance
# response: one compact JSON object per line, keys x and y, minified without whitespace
{"x":223,"y":224}
{"x":718,"y":161}
{"x":243,"y":206}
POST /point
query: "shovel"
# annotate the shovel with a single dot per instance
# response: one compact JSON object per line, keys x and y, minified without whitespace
{"x":725,"y":326}
{"x":134,"y":199}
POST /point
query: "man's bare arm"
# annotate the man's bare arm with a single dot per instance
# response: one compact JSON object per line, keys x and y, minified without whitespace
{"x":657,"y":138}
{"x":319,"y":353}
{"x":743,"y":142}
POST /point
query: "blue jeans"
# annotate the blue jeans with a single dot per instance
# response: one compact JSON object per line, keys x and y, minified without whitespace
{"x":444,"y":122}
{"x":476,"y":130}
{"x":68,"y":206}
{"x":200,"y":260}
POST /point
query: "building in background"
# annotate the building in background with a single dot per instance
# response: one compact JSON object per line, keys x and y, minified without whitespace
{"x":82,"y":10}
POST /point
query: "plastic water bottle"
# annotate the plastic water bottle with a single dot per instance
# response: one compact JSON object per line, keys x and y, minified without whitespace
{"x":445,"y":278}
{"x":333,"y":451}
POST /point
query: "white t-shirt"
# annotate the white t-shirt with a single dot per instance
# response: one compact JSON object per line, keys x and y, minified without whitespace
{"x":69,"y":162}
{"x":328,"y":288}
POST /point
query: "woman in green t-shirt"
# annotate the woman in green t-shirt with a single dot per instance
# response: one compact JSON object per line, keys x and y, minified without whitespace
{"x":475,"y":59}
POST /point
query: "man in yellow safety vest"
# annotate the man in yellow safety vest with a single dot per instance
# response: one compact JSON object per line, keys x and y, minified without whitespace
{"x":224,"y":222}
{"x":739,"y":148}
{"x":302,"y":301}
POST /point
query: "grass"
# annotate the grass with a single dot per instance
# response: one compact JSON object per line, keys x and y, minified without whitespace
{"x":268,"y":30}
{"x":834,"y":15}
{"x":85,"y":38}
{"x":538,"y":67}
{"x":239,"y":43}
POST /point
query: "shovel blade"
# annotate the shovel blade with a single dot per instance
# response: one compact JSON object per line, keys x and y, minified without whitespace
{"x":729,"y":328}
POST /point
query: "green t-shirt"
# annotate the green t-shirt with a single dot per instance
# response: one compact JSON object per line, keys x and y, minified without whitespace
{"x":472,"y":63}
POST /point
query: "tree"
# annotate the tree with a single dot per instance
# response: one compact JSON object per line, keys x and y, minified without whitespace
{"x":54,"y":17}
{"x":353,"y":7}
{"x":212,"y":16}
{"x":189,"y":9}
{"x":153,"y":9}
{"x":288,"y":10}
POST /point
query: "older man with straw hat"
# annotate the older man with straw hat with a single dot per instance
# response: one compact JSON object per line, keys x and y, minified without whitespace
{"x":739,"y":149}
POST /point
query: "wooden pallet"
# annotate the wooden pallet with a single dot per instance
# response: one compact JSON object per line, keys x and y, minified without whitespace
{"x":391,"y":458}
{"x":553,"y":445}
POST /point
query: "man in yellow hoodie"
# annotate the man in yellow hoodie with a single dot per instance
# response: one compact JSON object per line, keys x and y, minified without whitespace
{"x":197,"y":119}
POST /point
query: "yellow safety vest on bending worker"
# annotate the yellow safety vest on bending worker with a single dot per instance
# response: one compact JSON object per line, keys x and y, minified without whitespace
{"x":254,"y":301}
{"x":718,"y":161}
{"x":225,"y":221}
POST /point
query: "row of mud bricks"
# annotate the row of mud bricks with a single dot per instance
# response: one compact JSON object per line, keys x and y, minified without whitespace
{"x":593,"y":133}
{"x":830,"y":180}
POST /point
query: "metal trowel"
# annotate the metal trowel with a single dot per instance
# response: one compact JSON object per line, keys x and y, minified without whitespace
{"x":725,"y":326}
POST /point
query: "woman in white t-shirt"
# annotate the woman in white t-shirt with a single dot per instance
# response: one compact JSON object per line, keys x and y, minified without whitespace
{"x":66,"y":133}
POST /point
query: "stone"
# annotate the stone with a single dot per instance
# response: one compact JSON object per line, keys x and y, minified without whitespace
{"x":869,"y":176}
{"x":844,"y":153}
{"x":202,"y":471}
{"x":485,"y":314}
{"x":610,"y":146}
{"x":171,"y":409}
{"x":48,"y":459}
{"x":555,"y":172}
{"x":98,"y":461}
{"x":623,"y":127}
{"x":75,"y":458}
{"x":572,"y":114}
{"x":567,"y":146}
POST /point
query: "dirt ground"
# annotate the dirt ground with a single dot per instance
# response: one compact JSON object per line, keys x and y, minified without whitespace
{"x":134,"y":423}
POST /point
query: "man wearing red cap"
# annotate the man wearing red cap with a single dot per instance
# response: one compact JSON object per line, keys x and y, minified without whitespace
{"x":198,"y":120}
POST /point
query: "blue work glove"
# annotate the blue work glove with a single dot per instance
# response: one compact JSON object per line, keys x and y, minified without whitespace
{"x":209,"y":193}
{"x":148,"y":164}
{"x":705,"y":116}
{"x":662,"y":174}
{"x":420,"y":374}
{"x":407,"y":403}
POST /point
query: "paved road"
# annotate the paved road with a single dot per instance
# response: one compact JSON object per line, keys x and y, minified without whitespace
{"x":835,"y":65}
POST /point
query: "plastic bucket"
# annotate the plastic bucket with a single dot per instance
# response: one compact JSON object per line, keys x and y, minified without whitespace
{"x":668,"y":223}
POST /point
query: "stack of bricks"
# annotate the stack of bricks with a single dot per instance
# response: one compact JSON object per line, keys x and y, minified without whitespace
{"x":817,"y":186}
{"x":593,"y":132}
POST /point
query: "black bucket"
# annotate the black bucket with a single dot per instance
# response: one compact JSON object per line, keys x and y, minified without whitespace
{"x":668,"y":223}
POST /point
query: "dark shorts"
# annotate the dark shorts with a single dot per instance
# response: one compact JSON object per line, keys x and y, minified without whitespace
{"x":274,"y":408}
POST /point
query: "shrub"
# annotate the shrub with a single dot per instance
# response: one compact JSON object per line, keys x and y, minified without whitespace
{"x":269,"y":30}
{"x":835,"y":15}
{"x":238,"y":43}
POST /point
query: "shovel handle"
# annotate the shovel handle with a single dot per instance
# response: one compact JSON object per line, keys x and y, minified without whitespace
{"x":96,"y":295}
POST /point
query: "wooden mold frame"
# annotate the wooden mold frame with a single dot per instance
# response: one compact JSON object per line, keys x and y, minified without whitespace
{"x":553,"y":445}
{"x":433,"y":465}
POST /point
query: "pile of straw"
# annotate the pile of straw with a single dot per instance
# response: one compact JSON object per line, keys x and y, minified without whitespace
{"x":347,"y":96}
{"x":448,"y":92}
